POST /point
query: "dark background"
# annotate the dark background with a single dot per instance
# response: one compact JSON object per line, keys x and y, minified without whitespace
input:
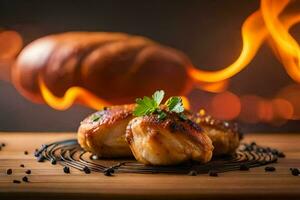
{"x":208,"y":31}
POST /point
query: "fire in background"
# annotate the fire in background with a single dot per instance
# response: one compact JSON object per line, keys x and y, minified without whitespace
{"x":270,"y":24}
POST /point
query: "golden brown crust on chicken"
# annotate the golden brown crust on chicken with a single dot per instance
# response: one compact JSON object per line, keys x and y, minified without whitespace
{"x":103,"y":133}
{"x":167,"y":142}
{"x":225,"y":136}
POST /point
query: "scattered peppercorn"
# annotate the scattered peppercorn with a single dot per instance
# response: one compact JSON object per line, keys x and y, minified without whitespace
{"x":86,"y":170}
{"x":3,"y":144}
{"x":281,"y":155}
{"x":25,"y":179}
{"x":22,"y":165}
{"x":66,"y":170}
{"x":26,"y":152}
{"x":213,"y":173}
{"x":107,"y":173}
{"x":244,"y":167}
{"x":28,"y":171}
{"x":9,"y":171}
{"x":192,"y":173}
{"x":53,"y":161}
{"x":270,"y":169}
{"x":295,"y":171}
{"x":111,"y":170}
{"x":16,"y":181}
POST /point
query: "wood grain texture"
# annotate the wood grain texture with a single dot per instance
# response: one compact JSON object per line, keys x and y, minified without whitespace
{"x":49,"y":182}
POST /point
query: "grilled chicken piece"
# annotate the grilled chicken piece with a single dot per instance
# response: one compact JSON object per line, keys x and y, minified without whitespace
{"x":225,"y":136}
{"x":167,"y":142}
{"x":103,"y":133}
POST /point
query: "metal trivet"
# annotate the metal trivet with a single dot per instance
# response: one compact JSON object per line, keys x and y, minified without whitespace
{"x":69,"y":153}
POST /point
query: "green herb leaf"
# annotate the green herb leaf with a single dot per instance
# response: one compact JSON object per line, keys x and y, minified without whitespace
{"x":174,"y":104}
{"x":149,"y":105}
{"x":158,"y":96}
{"x":95,"y":118}
{"x":144,"y":106}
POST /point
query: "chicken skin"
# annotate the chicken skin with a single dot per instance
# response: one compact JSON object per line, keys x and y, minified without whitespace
{"x":103,"y":133}
{"x":225,"y":136}
{"x":170,"y":141}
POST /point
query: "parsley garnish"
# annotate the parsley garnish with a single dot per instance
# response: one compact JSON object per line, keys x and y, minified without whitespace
{"x":95,"y":118}
{"x":175,"y":104}
{"x":149,"y":105}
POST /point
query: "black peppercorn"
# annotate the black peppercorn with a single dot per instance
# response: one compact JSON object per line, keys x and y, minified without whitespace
{"x":28,"y":171}
{"x":9,"y":171}
{"x":270,"y":169}
{"x":107,"y":173}
{"x":26,"y":152}
{"x":111,"y":170}
{"x":66,"y":170}
{"x":25,"y":179}
{"x":295,"y":171}
{"x":16,"y":181}
{"x":86,"y":170}
{"x":281,"y":155}
{"x":3,"y":144}
{"x":53,"y":161}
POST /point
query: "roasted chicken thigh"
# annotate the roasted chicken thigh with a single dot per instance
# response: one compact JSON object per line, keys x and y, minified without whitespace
{"x":225,"y":135}
{"x":103,"y":133}
{"x":170,"y":141}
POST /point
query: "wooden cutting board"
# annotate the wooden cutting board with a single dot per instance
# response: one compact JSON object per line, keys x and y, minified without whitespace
{"x":49,"y":182}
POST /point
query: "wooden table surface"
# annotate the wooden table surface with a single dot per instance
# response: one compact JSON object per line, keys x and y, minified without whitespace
{"x":49,"y":182}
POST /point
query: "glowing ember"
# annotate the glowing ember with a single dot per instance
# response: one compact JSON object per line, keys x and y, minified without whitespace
{"x":226,"y":106}
{"x":292,"y":95}
{"x":250,"y":108}
{"x":282,"y":109}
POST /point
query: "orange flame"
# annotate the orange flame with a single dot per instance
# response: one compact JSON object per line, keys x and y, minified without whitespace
{"x":270,"y":23}
{"x":73,"y":94}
